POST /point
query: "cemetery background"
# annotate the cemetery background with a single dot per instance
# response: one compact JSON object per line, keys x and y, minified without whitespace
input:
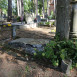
{"x":17,"y":58}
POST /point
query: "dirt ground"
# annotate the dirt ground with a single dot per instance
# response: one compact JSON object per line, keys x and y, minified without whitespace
{"x":15,"y":65}
{"x":38,"y":33}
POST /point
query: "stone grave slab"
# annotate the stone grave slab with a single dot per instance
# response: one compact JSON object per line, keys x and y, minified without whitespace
{"x":29,"y":45}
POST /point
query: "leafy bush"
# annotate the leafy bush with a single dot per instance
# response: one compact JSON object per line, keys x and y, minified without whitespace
{"x":18,"y":19}
{"x":41,"y":23}
{"x":47,"y":23}
{"x":55,"y":52}
{"x":44,"y":23}
{"x":52,"y":16}
{"x":53,"y":23}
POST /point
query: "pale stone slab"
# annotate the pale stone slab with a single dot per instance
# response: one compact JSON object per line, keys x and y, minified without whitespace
{"x":31,"y":41}
{"x":29,"y":45}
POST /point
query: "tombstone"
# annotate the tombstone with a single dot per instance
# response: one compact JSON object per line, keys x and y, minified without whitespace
{"x":46,"y":16}
{"x":65,"y":66}
{"x":4,"y":16}
{"x":29,"y":18}
{"x":38,"y":18}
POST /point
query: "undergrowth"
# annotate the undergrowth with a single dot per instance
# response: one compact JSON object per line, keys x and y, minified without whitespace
{"x":56,"y":51}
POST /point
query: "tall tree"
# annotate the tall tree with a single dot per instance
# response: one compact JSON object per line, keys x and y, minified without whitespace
{"x":9,"y":10}
{"x":36,"y":5}
{"x":47,"y":8}
{"x":20,"y":8}
{"x":63,"y":18}
{"x":43,"y":9}
{"x":40,"y":5}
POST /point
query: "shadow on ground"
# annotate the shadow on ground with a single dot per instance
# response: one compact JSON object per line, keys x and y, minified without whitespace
{"x":38,"y":33}
{"x":13,"y":64}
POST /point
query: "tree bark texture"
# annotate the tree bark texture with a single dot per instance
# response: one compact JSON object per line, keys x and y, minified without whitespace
{"x":43,"y":9}
{"x":63,"y":18}
{"x":47,"y":8}
{"x":36,"y":6}
{"x":20,"y":8}
{"x":9,"y":10}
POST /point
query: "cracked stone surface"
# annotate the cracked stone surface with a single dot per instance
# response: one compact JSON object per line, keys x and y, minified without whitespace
{"x":29,"y":45}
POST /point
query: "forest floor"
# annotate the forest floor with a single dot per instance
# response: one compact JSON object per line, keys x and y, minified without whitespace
{"x":13,"y":64}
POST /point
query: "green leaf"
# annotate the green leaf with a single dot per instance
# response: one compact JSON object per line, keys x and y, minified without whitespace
{"x":35,"y":54}
{"x":76,"y":65}
{"x":43,"y":54}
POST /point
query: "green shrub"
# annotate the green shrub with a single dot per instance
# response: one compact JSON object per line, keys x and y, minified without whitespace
{"x":60,"y":50}
{"x":19,"y":19}
{"x":53,"y":23}
{"x":47,"y":23}
{"x":52,"y":16}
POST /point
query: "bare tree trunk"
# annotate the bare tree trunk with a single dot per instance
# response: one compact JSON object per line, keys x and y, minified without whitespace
{"x":43,"y":9}
{"x":54,"y":5}
{"x":47,"y":8}
{"x":20,"y":8}
{"x":36,"y":5}
{"x":9,"y":10}
{"x":63,"y":18}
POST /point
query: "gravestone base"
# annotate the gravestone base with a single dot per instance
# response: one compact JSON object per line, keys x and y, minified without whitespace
{"x":30,"y":25}
{"x":65,"y":66}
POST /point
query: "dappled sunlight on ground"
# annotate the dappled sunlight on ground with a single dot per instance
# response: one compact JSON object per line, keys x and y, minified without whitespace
{"x":41,"y":32}
{"x":13,"y":64}
{"x":10,"y":66}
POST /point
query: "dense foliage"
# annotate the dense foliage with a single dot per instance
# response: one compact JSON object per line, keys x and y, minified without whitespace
{"x":55,"y":52}
{"x":29,"y":6}
{"x":40,"y":6}
{"x":4,"y":5}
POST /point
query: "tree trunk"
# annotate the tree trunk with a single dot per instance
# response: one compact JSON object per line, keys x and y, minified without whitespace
{"x":47,"y":8}
{"x":22,"y":9}
{"x":36,"y":5}
{"x":9,"y":10}
{"x":63,"y":18}
{"x":54,"y":5}
{"x":19,"y":7}
{"x":43,"y":9}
